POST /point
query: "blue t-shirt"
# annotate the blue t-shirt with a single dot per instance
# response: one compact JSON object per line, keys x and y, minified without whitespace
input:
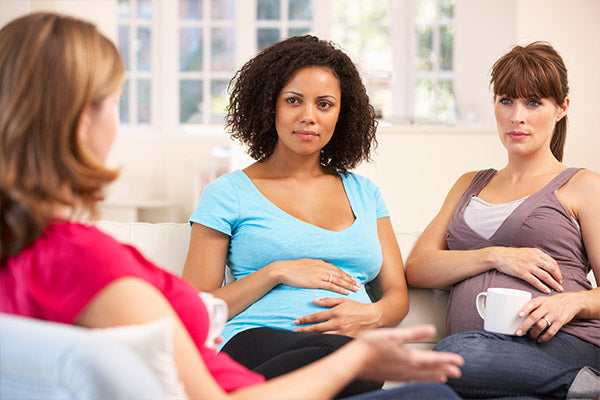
{"x":262,"y":233}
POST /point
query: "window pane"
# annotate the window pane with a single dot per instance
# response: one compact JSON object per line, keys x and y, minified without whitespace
{"x":424,"y":49}
{"x":123,"y":9}
{"x":346,"y":13}
{"x":300,"y":9}
{"x":190,"y":101}
{"x":124,"y":104}
{"x":298,"y":31}
{"x":376,"y":51}
{"x":190,"y":49}
{"x":447,"y":8}
{"x":446,"y":47}
{"x":223,"y":49}
{"x":267,"y":9}
{"x":144,"y":9}
{"x":446,"y":104}
{"x":222,"y":9}
{"x":190,"y":9}
{"x":218,"y":100}
{"x":144,"y":49}
{"x":144,"y":100}
{"x":379,"y":90}
{"x":124,"y":44}
{"x":266,"y":36}
{"x":377,"y":12}
{"x":424,"y":99}
{"x":425,"y":11}
{"x":363,"y":29}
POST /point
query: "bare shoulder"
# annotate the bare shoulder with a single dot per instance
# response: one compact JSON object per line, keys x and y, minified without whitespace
{"x":455,"y":193}
{"x":582,"y":191}
{"x":255,"y":170}
{"x":583,"y":187}
{"x":585,"y":180}
{"x":463,"y":182}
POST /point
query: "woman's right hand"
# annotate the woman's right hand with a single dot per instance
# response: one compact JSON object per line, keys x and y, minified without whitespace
{"x":529,"y":264}
{"x":391,"y":359}
{"x":314,"y":274}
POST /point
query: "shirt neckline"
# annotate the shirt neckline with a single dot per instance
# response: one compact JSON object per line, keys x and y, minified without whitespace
{"x":264,"y":198}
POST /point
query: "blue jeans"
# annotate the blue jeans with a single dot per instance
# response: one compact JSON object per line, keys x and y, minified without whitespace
{"x":429,"y":391}
{"x":498,"y":365}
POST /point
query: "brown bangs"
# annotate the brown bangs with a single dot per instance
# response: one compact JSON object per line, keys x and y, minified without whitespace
{"x":527,"y":74}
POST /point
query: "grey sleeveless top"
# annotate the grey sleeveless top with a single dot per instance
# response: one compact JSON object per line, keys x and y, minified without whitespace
{"x":540,"y":221}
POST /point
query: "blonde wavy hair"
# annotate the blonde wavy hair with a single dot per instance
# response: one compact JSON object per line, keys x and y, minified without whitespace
{"x":51,"y":68}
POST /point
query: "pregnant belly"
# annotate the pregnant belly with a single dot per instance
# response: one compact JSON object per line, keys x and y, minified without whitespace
{"x":281,"y":306}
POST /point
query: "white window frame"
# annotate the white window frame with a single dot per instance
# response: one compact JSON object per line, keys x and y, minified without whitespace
{"x":133,"y":75}
{"x":166,"y":74}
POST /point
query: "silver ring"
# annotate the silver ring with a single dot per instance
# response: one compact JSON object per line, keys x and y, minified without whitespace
{"x":548,"y":322}
{"x":330,"y":276}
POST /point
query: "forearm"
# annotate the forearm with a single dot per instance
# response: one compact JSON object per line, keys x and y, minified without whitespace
{"x":392,"y":307}
{"x":242,"y":293}
{"x":590,"y":304}
{"x":442,"y":268}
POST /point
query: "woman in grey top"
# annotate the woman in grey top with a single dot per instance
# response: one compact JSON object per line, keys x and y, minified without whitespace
{"x":533,"y":225}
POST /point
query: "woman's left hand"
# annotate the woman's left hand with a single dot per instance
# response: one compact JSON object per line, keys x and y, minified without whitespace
{"x":344,"y":317}
{"x":546,"y":315}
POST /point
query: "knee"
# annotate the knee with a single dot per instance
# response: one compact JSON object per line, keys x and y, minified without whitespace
{"x":466,"y":342}
{"x":326,"y":342}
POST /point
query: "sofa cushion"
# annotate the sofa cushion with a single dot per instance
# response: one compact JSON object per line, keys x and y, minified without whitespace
{"x":153,"y":342}
{"x":165,"y":244}
{"x":48,"y":360}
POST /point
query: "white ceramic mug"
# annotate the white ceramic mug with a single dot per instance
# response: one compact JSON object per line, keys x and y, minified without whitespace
{"x":499,"y":308}
{"x":217,"y":313}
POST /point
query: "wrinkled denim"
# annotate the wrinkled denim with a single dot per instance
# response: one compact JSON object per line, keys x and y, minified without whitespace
{"x":410,"y":392}
{"x":498,"y":365}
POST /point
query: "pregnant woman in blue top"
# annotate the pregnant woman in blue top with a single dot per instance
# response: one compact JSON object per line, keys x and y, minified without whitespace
{"x":300,"y":233}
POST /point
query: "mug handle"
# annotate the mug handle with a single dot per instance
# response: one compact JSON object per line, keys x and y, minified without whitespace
{"x":480,"y":303}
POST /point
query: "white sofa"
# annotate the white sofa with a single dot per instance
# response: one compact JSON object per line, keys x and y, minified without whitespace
{"x":166,"y":244}
{"x":40,"y":359}
{"x":46,"y":360}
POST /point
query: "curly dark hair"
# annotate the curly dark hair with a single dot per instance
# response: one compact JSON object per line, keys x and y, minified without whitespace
{"x":256,"y":86}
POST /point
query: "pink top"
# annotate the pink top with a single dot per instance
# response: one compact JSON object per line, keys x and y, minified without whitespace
{"x":61,"y":271}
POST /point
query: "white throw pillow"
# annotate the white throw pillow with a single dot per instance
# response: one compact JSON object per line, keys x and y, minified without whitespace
{"x":153,"y":342}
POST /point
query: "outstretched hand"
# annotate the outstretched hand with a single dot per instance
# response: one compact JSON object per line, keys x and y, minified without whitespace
{"x":531,"y":265}
{"x":343,"y":317}
{"x":392,"y":360}
{"x":314,"y":274}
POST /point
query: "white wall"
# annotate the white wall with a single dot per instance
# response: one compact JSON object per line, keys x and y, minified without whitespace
{"x":414,"y":166}
{"x":573,"y":27}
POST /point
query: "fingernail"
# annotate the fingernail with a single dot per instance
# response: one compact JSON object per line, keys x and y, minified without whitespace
{"x":297,"y":322}
{"x":561,"y":288}
{"x":521,"y":314}
{"x":519,"y":332}
{"x":548,"y":291}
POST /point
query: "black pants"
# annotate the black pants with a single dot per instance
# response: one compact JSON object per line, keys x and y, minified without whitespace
{"x":273,"y":352}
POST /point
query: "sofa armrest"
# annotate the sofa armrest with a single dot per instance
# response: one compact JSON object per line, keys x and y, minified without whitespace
{"x":46,"y":360}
